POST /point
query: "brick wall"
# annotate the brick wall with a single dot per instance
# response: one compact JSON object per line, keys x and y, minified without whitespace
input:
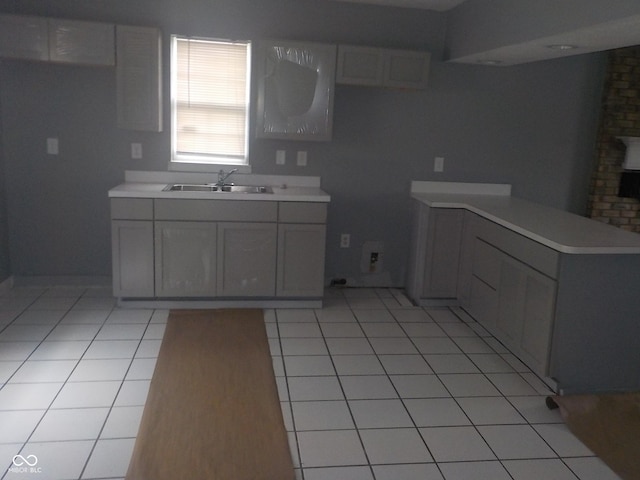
{"x":620,"y":117}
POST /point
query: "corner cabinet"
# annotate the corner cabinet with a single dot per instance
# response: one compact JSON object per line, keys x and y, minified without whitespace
{"x":295,"y":90}
{"x":132,"y":247}
{"x":81,"y":43}
{"x":435,"y":254}
{"x":382,"y":67}
{"x":24,"y":37}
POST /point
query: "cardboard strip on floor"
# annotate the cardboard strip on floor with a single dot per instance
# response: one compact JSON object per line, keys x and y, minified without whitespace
{"x":213,"y":410}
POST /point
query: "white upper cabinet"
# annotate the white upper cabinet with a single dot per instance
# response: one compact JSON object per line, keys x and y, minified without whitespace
{"x":138,"y":78}
{"x":24,"y":37}
{"x":382,"y":67}
{"x":55,"y":40}
{"x":85,"y":43}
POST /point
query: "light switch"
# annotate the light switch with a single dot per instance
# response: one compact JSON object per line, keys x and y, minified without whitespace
{"x":52,"y":146}
{"x":301,"y":159}
{"x":438,"y":164}
{"x":281,"y":157}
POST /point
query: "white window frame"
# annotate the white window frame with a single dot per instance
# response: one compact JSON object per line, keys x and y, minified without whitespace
{"x":206,"y":162}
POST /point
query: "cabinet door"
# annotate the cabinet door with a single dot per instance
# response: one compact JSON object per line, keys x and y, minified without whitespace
{"x":185,"y":259}
{"x":444,"y":237}
{"x":246,"y":259}
{"x":301,"y":251}
{"x":359,"y":65}
{"x":539,"y":311}
{"x":526,"y":313}
{"x":132,"y":256}
{"x":513,"y":283}
{"x":24,"y":37}
{"x":406,"y":69}
{"x":86,"y":43}
{"x":138,"y":78}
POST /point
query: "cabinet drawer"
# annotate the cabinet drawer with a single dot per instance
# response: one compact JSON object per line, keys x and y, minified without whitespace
{"x":132,"y":208}
{"x":486,"y":263}
{"x":538,"y":256}
{"x":302,"y":212}
{"x":216,"y":210}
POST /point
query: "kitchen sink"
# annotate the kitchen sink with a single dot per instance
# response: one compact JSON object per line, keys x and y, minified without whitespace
{"x":210,"y":187}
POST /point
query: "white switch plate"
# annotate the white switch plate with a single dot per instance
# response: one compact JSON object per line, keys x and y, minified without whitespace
{"x":345,"y":240}
{"x":301,"y":159}
{"x":136,"y":151}
{"x":438,"y":164}
{"x":281,"y":157}
{"x":52,"y":146}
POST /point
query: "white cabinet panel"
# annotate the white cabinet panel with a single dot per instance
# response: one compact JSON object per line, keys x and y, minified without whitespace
{"x":185,"y":259}
{"x":24,"y":37}
{"x":301,"y":260}
{"x":132,"y":256}
{"x":139,"y":78}
{"x":87,"y":43}
{"x":382,"y":67}
{"x":247,"y":259}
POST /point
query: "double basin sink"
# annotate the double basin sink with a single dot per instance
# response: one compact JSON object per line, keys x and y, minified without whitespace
{"x":212,"y":187}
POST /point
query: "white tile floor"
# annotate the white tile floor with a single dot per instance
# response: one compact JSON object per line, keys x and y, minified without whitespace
{"x":371,"y":389}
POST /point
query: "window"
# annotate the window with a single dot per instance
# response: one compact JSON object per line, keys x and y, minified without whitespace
{"x":210,"y":101}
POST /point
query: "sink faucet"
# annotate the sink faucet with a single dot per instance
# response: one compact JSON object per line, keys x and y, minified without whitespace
{"x":222,"y":176}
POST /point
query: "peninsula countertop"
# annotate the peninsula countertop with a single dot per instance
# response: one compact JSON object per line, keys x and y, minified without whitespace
{"x":560,"y":230}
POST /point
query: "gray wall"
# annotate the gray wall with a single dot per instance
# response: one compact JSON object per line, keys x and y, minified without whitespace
{"x":5,"y":270}
{"x":532,"y":126}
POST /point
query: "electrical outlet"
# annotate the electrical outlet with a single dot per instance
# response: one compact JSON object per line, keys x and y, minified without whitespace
{"x":302,"y":158}
{"x":438,"y":164}
{"x":281,"y":157}
{"x":52,"y":146}
{"x":345,"y":240}
{"x":136,"y":151}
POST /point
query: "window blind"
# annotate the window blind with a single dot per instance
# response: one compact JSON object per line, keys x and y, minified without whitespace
{"x":210,"y":100}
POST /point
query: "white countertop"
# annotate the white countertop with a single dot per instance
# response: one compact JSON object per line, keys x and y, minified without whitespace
{"x":560,"y":230}
{"x":285,"y":188}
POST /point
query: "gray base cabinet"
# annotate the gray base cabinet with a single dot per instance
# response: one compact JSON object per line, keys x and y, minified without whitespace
{"x":572,"y":318}
{"x":435,"y":254}
{"x":508,"y":283}
{"x":225,"y":249}
{"x":301,"y":260}
{"x":185,"y":259}
{"x":132,"y":258}
{"x":247,"y":259}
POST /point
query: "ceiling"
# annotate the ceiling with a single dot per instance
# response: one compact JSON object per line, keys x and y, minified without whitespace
{"x":507,"y":32}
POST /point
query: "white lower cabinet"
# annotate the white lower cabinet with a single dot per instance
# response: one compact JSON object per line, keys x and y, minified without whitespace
{"x":185,"y":259}
{"x":132,"y":257}
{"x":526,"y":311}
{"x":247,"y":259}
{"x":510,"y":298}
{"x":225,"y":249}
{"x":301,"y":260}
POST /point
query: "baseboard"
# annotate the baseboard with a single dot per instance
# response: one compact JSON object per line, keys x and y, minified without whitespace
{"x":61,"y":280}
{"x":240,"y":303}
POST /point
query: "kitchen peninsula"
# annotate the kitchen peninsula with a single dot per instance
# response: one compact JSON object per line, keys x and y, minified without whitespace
{"x":202,"y":247}
{"x":559,"y":290}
